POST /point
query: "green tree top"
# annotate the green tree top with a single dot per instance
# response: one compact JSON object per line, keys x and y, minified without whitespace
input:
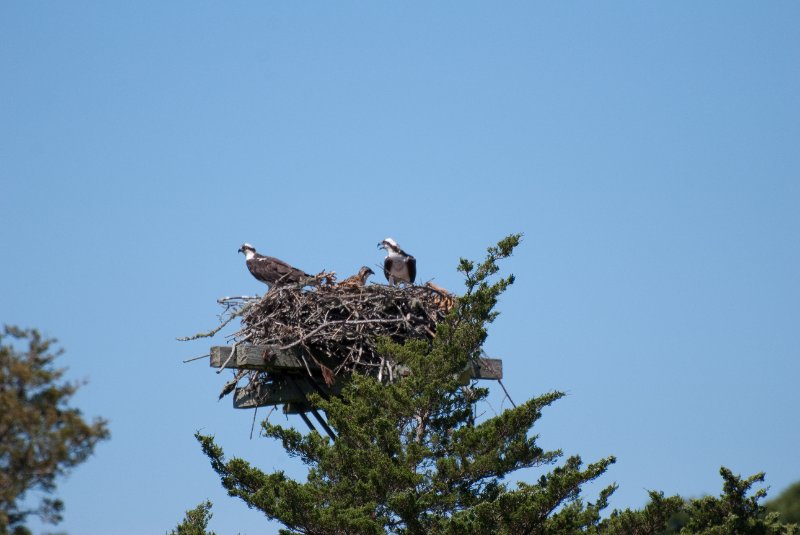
{"x":736,"y":511}
{"x":410,"y":456}
{"x":195,"y":522}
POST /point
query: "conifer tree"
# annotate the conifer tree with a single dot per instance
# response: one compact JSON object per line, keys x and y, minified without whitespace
{"x":41,"y":436}
{"x":736,"y":511}
{"x":195,"y":521}
{"x":787,"y":504}
{"x":411,"y":457}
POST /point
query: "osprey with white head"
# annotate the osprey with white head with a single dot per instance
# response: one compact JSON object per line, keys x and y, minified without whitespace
{"x":398,"y":266}
{"x":271,"y":271}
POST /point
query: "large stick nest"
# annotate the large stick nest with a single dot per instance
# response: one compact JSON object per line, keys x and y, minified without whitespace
{"x":340,"y":324}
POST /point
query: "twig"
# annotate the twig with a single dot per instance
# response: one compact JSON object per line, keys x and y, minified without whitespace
{"x":253,"y":425}
{"x":217,"y":329}
{"x":197,"y":358}
{"x":339,"y":322}
{"x":271,"y":409}
{"x":506,"y":391}
{"x":224,"y":300}
{"x":233,"y":352}
{"x":303,"y":357}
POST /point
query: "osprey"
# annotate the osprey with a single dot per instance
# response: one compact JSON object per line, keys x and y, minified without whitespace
{"x":398,"y":266}
{"x":358,"y":280}
{"x":269,"y":270}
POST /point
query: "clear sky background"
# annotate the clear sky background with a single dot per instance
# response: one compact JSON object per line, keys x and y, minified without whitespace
{"x":650,"y":152}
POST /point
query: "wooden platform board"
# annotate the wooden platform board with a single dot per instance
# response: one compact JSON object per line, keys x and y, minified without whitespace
{"x":292,"y":382}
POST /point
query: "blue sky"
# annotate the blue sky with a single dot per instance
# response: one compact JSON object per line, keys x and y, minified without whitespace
{"x":648,"y":151}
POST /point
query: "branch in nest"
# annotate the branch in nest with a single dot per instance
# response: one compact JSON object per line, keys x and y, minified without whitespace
{"x":217,"y":329}
{"x":340,"y":322}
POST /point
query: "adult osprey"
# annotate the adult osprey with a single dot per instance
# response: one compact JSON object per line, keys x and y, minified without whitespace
{"x":358,"y":280}
{"x":398,"y":266}
{"x":269,"y":270}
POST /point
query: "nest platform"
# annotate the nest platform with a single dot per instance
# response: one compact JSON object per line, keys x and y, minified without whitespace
{"x":299,"y":339}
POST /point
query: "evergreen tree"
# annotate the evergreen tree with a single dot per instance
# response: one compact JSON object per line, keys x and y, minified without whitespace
{"x":41,"y":437}
{"x":787,"y":504}
{"x":411,"y":457}
{"x":657,"y":518}
{"x":195,"y":522}
{"x":734,"y":512}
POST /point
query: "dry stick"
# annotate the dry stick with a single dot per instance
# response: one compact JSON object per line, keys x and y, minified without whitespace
{"x":310,"y":354}
{"x":233,"y":352}
{"x":197,"y":358}
{"x":265,"y":419}
{"x":303,"y":357}
{"x":214,"y":331}
{"x":343,"y":325}
{"x":337,"y":322}
{"x":506,"y":391}
{"x":224,"y":300}
{"x":252,"y":425}
{"x":380,"y":370}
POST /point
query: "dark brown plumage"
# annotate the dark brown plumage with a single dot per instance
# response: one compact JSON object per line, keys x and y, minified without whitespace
{"x":269,"y":270}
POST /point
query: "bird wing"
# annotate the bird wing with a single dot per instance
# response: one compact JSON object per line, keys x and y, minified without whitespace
{"x":352,"y":280}
{"x":411,"y":265}
{"x":271,"y":270}
{"x":387,"y":268}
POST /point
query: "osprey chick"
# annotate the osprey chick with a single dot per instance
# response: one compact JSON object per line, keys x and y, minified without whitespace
{"x":398,"y":266}
{"x":269,"y":270}
{"x":358,"y":280}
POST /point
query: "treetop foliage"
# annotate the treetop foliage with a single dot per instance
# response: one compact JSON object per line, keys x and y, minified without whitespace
{"x":195,"y":522}
{"x":736,"y":511}
{"x":41,"y":436}
{"x":411,"y":457}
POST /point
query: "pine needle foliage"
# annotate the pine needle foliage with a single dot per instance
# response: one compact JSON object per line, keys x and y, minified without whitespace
{"x":787,"y":504}
{"x":737,"y":511}
{"x":411,"y":457}
{"x":195,"y":522}
{"x":656,"y":518}
{"x":41,"y":436}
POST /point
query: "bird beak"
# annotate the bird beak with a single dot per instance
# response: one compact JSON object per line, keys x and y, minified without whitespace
{"x":370,"y":271}
{"x":240,"y":250}
{"x":381,"y":245}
